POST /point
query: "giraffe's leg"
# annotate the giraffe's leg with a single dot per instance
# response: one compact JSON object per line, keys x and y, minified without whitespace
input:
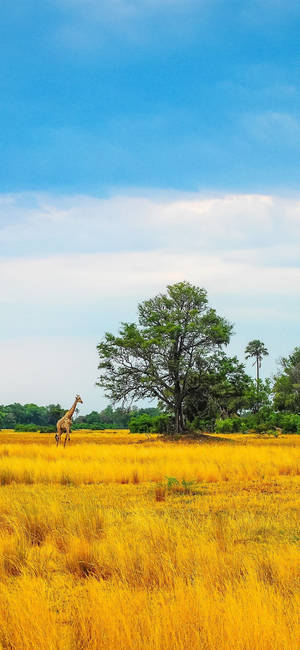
{"x":67,"y":439}
{"x":67,"y":436}
{"x":58,"y":437}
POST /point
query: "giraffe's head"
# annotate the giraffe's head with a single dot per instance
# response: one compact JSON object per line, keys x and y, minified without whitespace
{"x":78,"y":399}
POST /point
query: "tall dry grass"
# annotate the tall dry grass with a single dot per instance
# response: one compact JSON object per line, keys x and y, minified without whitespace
{"x":137,"y":460}
{"x":91,"y":558}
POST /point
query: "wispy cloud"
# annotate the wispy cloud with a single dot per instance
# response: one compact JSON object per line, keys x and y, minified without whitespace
{"x":122,"y":17}
{"x":41,"y":224}
{"x":84,"y":279}
{"x":127,"y":7}
{"x":90,"y":22}
{"x":273,"y":127}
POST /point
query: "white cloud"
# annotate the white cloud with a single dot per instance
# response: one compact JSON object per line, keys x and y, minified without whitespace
{"x":46,"y":225}
{"x":85,"y":279}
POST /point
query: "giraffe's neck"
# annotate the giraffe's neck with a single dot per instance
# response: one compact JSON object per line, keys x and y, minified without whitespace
{"x":72,"y":409}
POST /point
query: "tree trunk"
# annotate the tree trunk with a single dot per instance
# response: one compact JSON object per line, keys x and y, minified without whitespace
{"x":178,"y":417}
{"x":176,"y":420}
{"x":181,"y":420}
{"x":257,"y":382}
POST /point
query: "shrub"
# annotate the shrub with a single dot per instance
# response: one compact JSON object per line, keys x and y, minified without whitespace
{"x":150,"y":424}
{"x":141,"y":424}
{"x":201,"y":424}
{"x":30,"y":428}
{"x":35,"y":428}
{"x":50,"y":428}
{"x":161,"y":424}
{"x":90,"y":426}
{"x":290,"y":423}
{"x":228,"y":425}
{"x":177,"y":487}
{"x":262,"y":422}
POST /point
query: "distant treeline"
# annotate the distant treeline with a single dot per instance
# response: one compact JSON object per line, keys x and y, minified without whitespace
{"x":31,"y":417}
{"x":110,"y":418}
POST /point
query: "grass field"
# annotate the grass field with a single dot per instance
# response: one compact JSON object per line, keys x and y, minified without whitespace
{"x":120,"y":542}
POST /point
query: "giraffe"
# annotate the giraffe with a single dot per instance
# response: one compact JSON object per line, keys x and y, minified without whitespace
{"x":64,"y":424}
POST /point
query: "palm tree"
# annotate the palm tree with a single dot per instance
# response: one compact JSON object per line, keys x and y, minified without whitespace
{"x":258,"y":350}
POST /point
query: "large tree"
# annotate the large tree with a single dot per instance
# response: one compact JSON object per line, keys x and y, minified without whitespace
{"x":158,"y":357}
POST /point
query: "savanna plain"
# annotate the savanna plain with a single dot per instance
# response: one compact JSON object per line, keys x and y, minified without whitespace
{"x":120,"y":541}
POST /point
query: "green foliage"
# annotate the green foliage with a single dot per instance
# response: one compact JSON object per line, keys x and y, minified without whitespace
{"x":175,"y":486}
{"x":220,"y":388}
{"x":171,"y":482}
{"x":228,"y":425}
{"x":44,"y":418}
{"x":290,"y":423}
{"x":200,"y":423}
{"x":258,"y":395}
{"x":141,"y":424}
{"x":162,"y":423}
{"x":30,"y":427}
{"x":287,"y":384}
{"x":9,"y":421}
{"x":14,"y":415}
{"x":256,"y":349}
{"x":270,"y":422}
{"x":150,"y":424}
{"x":50,"y":428}
{"x":111,"y":418}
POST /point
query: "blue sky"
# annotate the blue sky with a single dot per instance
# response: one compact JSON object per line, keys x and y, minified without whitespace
{"x":177,"y":94}
{"x":142,"y":143}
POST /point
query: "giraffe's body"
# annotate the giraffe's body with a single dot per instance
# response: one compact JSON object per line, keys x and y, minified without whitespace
{"x":63,"y":425}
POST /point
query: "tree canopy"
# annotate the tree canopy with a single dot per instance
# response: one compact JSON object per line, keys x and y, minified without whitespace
{"x":287,"y":383}
{"x":256,"y":349}
{"x":159,"y":357}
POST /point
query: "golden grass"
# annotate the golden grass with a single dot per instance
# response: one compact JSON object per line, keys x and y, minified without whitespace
{"x":135,"y":459}
{"x":98,"y":549}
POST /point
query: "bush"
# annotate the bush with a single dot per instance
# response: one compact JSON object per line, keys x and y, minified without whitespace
{"x":35,"y":428}
{"x":141,"y":424}
{"x":264,"y":427}
{"x":50,"y":428}
{"x":161,"y":424}
{"x":262,"y":422}
{"x":90,"y":426}
{"x":290,"y":423}
{"x":29,"y":428}
{"x":201,"y":424}
{"x":228,"y":425}
{"x":150,"y":424}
